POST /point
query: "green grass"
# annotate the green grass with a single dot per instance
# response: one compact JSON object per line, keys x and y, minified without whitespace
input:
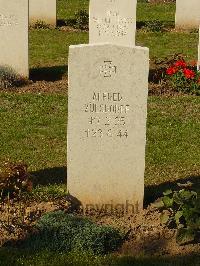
{"x":169,"y":43}
{"x":86,"y":259}
{"x":32,"y":126}
{"x":33,"y":129}
{"x":67,"y":8}
{"x":160,"y":12}
{"x":54,"y":48}
{"x":172,"y":139}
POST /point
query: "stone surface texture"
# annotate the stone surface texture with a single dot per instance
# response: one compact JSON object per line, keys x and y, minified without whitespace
{"x":107,"y":109}
{"x":112,"y":21}
{"x":14,"y":35}
{"x":187,"y":14}
{"x":43,"y":10}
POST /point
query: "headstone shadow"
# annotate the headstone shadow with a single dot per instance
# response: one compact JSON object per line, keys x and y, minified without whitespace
{"x":53,"y":73}
{"x":155,"y":191}
{"x":55,"y":175}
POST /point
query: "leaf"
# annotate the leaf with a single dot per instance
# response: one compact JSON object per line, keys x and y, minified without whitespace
{"x":167,"y":192}
{"x":168,"y":202}
{"x":164,"y":217}
{"x":158,"y":204}
{"x":185,"y":236}
{"x":186,"y":194}
{"x":178,"y":215}
{"x":177,"y":199}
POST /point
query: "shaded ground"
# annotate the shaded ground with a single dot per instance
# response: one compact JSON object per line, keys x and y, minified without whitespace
{"x":144,"y":233}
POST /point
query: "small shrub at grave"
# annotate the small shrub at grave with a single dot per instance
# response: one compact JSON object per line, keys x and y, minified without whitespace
{"x":66,"y":232}
{"x":9,"y":78}
{"x":80,"y":21}
{"x":184,"y":77}
{"x":159,"y":67}
{"x":39,"y":24}
{"x":154,"y":26}
{"x":14,"y":179}
{"x":173,"y":75}
{"x":181,"y":209}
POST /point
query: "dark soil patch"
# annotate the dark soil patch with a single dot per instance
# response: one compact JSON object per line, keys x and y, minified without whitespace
{"x":61,"y":86}
{"x":146,"y":235}
{"x":38,"y":87}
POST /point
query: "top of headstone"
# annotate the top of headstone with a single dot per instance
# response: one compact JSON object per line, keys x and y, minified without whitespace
{"x":113,"y":21}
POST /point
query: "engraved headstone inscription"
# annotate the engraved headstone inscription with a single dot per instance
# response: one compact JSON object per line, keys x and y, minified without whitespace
{"x":112,"y":21}
{"x":187,"y":14}
{"x":14,"y":36}
{"x":43,"y":11}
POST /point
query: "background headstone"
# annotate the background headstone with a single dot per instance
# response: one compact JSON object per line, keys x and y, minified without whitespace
{"x":14,"y":35}
{"x":112,"y":21}
{"x":198,"y":62}
{"x":107,"y":108}
{"x":187,"y":14}
{"x":43,"y":10}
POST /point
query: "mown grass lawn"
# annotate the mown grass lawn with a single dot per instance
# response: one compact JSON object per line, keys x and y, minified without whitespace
{"x":33,"y":129}
{"x":85,"y":259}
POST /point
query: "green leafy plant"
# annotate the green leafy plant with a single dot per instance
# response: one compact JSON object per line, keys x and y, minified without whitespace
{"x":14,"y":179}
{"x":65,"y":232}
{"x":181,"y":209}
{"x":9,"y":78}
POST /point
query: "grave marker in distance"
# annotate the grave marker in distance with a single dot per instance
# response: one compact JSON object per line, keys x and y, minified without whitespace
{"x":14,"y":35}
{"x":112,"y":21}
{"x":43,"y":10}
{"x":187,"y":14}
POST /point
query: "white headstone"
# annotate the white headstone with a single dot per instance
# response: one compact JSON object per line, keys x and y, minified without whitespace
{"x":107,"y":109}
{"x":187,"y":14}
{"x":42,"y":10}
{"x":14,"y":35}
{"x":198,"y":63}
{"x":112,"y":21}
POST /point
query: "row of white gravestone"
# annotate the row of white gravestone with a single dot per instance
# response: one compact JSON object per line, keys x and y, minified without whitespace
{"x":14,"y":22}
{"x":105,"y":25}
{"x":107,"y":109}
{"x":187,"y":14}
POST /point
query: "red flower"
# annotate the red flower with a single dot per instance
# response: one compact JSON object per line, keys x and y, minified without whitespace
{"x":171,"y":70}
{"x":189,"y":74}
{"x":180,"y":63}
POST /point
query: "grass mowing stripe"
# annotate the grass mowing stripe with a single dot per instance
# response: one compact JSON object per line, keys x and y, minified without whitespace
{"x":33,"y":128}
